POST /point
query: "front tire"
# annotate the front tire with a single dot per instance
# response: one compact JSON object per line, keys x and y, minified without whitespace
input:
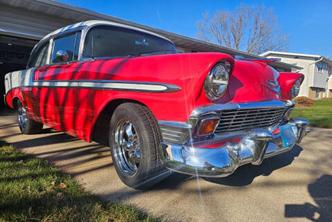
{"x":26,"y":124}
{"x":135,"y":142}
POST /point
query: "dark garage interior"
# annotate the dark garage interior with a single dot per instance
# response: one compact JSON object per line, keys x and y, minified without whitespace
{"x":14,"y":54}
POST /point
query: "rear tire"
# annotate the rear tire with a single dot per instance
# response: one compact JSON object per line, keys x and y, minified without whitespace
{"x":26,"y":124}
{"x":136,"y":150}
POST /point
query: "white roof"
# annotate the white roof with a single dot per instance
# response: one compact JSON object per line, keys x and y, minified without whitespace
{"x":313,"y":56}
{"x":289,"y":54}
{"x":99,"y":22}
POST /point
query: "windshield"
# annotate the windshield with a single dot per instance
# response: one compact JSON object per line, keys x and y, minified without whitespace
{"x":110,"y":41}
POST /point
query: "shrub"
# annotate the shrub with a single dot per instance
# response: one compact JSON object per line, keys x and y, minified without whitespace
{"x":304,"y":101}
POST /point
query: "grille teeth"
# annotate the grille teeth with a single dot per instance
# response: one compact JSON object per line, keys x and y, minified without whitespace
{"x":243,"y":119}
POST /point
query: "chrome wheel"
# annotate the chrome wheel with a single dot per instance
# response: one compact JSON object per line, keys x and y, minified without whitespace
{"x":128,"y":149}
{"x":134,"y":139}
{"x":22,"y":117}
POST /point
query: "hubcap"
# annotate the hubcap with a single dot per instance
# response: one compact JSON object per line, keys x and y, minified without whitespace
{"x":127,"y":149}
{"x":22,"y":117}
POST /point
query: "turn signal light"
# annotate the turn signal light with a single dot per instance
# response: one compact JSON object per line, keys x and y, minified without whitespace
{"x":207,"y":126}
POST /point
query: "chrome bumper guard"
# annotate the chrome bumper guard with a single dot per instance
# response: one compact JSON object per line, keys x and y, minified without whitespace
{"x":221,"y":156}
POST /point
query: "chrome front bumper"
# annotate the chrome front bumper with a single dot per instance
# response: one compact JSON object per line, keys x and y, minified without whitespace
{"x":222,"y":155}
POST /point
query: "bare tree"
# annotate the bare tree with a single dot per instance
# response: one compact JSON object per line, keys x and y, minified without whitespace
{"x":250,"y":29}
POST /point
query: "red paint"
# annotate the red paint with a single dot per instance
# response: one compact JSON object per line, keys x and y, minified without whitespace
{"x":76,"y":110}
{"x":217,"y":144}
{"x":276,"y":131}
{"x":286,"y":81}
{"x":12,"y":95}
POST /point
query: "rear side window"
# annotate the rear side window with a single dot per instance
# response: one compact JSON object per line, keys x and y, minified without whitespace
{"x":69,"y":44}
{"x":39,"y":58}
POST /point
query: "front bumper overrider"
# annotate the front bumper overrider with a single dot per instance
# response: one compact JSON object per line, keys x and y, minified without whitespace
{"x":223,"y":154}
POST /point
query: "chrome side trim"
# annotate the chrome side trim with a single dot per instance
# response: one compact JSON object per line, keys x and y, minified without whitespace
{"x":175,"y":132}
{"x":24,"y":78}
{"x":110,"y":84}
{"x":174,"y":124}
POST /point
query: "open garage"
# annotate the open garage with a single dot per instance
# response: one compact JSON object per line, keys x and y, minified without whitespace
{"x":14,"y":54}
{"x":21,"y":26}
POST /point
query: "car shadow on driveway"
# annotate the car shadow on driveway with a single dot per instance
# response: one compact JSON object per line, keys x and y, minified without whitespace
{"x":321,"y":192}
{"x":245,"y":175}
{"x":54,"y":138}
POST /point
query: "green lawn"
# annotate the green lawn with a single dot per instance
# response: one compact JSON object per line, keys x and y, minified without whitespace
{"x":33,"y":190}
{"x":319,"y":115}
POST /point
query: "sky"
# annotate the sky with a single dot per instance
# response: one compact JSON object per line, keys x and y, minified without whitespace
{"x":308,"y":24}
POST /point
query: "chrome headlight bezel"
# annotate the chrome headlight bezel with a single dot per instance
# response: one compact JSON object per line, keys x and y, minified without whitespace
{"x":295,"y":90}
{"x":216,"y":82}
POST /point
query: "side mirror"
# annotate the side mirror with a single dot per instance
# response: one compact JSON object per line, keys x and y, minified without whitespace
{"x":62,"y":56}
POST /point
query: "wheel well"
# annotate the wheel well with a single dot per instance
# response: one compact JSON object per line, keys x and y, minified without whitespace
{"x":14,"y":102}
{"x":101,"y":127}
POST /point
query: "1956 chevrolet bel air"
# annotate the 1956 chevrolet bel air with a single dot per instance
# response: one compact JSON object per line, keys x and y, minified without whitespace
{"x":160,"y":111}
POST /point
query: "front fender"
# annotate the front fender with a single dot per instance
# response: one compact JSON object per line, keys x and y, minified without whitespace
{"x":186,"y":71}
{"x":286,"y":81}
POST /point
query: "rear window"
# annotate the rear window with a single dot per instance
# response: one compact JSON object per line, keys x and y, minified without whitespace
{"x":39,"y":57}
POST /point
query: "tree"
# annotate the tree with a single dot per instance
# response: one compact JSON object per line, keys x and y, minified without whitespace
{"x":247,"y":28}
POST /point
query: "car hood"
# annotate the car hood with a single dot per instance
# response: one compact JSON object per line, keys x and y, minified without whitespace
{"x":253,"y":81}
{"x":250,"y":80}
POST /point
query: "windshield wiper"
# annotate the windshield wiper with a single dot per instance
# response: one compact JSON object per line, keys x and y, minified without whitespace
{"x":156,"y":52}
{"x":131,"y":55}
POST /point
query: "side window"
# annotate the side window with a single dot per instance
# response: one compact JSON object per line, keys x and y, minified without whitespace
{"x":65,"y":49}
{"x":40,"y":56}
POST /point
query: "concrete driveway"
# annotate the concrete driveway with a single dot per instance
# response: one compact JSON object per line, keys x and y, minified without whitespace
{"x":295,"y":186}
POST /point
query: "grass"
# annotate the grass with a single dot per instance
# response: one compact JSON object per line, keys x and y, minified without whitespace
{"x":319,"y":115}
{"x":33,"y":190}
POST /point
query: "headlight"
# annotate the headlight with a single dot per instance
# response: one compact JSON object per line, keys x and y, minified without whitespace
{"x":296,"y":88}
{"x":217,"y":80}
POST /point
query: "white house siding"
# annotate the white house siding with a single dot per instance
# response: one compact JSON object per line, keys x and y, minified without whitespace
{"x":329,"y":84}
{"x":317,"y":83}
{"x":307,"y":70}
{"x":320,"y":77}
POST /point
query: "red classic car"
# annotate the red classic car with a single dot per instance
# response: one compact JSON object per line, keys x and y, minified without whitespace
{"x":160,"y":111}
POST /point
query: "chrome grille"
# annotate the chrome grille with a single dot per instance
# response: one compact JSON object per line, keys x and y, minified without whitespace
{"x":242,"y":119}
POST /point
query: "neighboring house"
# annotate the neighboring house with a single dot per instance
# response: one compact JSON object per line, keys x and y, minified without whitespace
{"x":317,"y":70}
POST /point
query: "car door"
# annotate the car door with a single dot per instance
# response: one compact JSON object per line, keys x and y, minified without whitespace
{"x":38,"y":61}
{"x":56,"y":97}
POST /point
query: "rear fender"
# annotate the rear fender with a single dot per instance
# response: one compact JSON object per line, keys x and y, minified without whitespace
{"x":13,"y":95}
{"x":15,"y":82}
